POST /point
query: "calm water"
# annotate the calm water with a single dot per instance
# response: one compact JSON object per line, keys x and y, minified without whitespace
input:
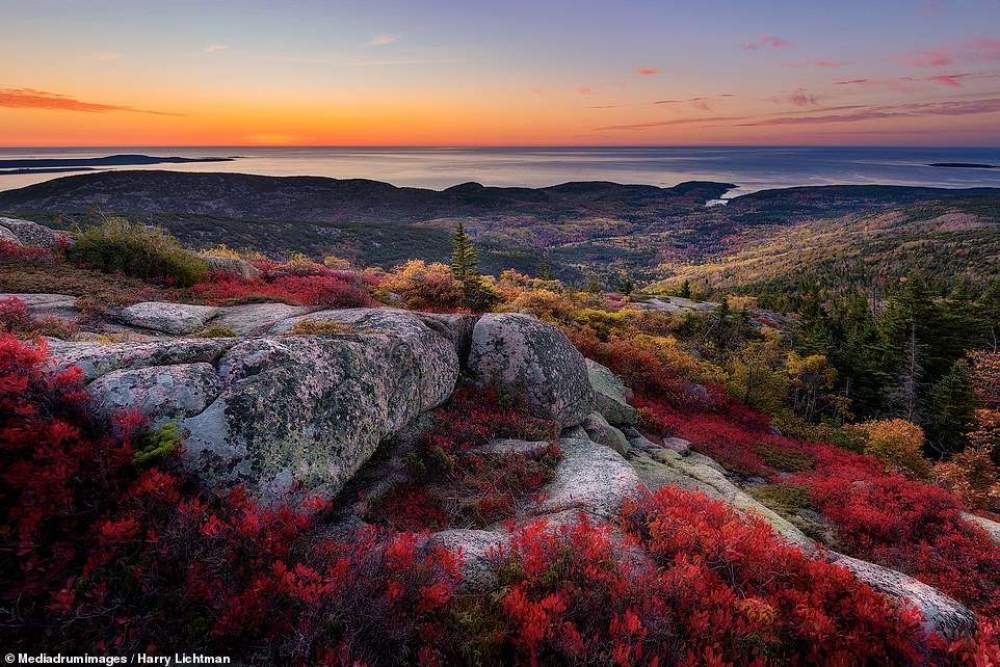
{"x":750,"y":168}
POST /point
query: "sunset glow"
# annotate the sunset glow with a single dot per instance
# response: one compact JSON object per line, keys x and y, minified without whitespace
{"x":115,"y":73}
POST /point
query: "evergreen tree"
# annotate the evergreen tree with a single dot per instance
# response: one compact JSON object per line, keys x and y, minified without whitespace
{"x":545,"y":268}
{"x":464,"y":257}
{"x":952,"y":406}
{"x":685,"y":292}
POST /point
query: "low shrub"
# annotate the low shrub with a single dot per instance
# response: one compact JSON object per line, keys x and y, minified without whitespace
{"x":897,"y":442}
{"x":422,"y":286}
{"x":332,"y":289}
{"x":119,"y":246}
{"x":15,"y":318}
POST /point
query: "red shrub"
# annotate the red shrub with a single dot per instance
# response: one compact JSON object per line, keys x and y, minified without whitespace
{"x":334,"y":289}
{"x":14,"y":315}
{"x":10,"y":251}
{"x":714,"y":589}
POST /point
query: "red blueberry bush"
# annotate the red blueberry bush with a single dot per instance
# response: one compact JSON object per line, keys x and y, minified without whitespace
{"x":319,"y":286}
{"x":705,"y":586}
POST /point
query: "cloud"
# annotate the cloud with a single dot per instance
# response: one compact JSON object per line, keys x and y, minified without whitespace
{"x":647,"y":71}
{"x":926,"y":58}
{"x":817,"y":63}
{"x":382,"y":40}
{"x":950,"y":80}
{"x":798,"y":97}
{"x":584,"y":90}
{"x":978,"y":49}
{"x":767,"y":42}
{"x":831,"y":115}
{"x":29,"y":98}
{"x":675,"y":121}
{"x":908,"y":83}
{"x":107,"y":57}
{"x":215,"y":48}
{"x":702,"y":103}
{"x":947,"y":108}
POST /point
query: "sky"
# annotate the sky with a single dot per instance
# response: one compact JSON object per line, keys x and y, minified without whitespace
{"x":514,"y":73}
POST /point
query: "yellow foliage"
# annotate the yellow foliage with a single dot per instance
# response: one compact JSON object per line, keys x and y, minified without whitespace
{"x":972,"y":475}
{"x":423,"y":286}
{"x":897,"y":442}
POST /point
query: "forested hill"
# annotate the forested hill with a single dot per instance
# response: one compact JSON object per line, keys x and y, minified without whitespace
{"x":318,"y":199}
{"x":579,"y":230}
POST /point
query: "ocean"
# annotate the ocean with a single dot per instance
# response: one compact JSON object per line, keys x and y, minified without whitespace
{"x":749,"y":168}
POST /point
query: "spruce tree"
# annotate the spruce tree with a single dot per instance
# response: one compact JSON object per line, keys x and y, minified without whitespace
{"x":685,"y":292}
{"x":464,"y":257}
{"x":951,"y":407}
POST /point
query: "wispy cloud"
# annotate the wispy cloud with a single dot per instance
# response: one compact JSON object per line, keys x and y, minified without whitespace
{"x":382,"y":40}
{"x":647,"y":71}
{"x":946,"y":108}
{"x":909,"y":83}
{"x":702,"y":103}
{"x":829,"y":115}
{"x":767,"y":42}
{"x":215,"y":48}
{"x":29,"y":98}
{"x":926,"y":58}
{"x":978,"y":49}
{"x":799,"y":97}
{"x":584,"y":90}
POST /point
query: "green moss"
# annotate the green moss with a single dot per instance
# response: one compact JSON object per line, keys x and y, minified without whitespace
{"x":785,"y":460}
{"x":156,"y":444}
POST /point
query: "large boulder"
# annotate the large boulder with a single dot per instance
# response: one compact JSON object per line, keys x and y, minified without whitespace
{"x":992,"y":528}
{"x":533,"y":361}
{"x":611,"y":396}
{"x":305,"y":412}
{"x":178,"y":319}
{"x":31,"y":233}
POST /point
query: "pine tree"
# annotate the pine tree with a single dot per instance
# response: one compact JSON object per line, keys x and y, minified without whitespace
{"x":952,"y":406}
{"x":545,"y":268}
{"x":685,"y":292}
{"x":464,"y":257}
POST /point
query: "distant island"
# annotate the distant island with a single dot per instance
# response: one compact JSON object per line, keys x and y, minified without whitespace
{"x":964,"y":165}
{"x":55,"y":165}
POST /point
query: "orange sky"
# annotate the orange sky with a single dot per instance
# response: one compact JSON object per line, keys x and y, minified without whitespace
{"x":111,"y":73}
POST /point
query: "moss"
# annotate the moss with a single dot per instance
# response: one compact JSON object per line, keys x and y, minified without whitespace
{"x":216,"y":331}
{"x":785,"y":499}
{"x":784,"y":459}
{"x":157,"y":443}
